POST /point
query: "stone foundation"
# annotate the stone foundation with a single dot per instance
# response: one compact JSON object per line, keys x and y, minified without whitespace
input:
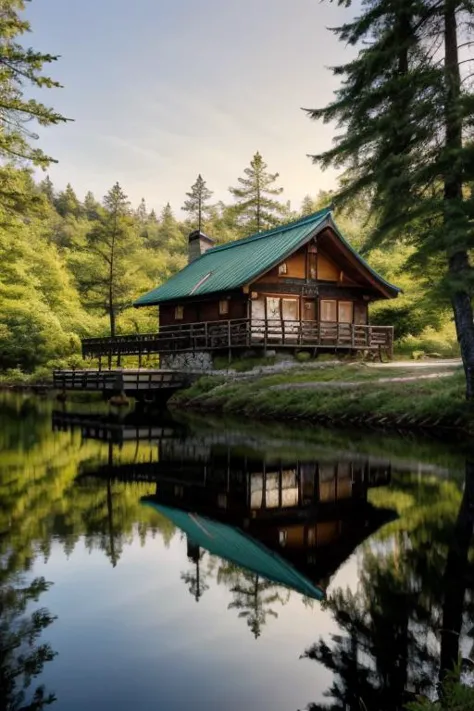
{"x":201,"y":361}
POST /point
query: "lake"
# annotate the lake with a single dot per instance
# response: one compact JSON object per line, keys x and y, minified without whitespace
{"x":149,"y":563}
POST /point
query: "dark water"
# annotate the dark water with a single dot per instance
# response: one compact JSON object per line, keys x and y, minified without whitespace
{"x":151,"y":564}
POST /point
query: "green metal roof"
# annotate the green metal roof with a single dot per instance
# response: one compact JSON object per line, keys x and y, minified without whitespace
{"x":232,"y":265}
{"x":234,"y":545}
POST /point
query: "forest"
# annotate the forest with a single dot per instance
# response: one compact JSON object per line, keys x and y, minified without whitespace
{"x":72,"y":265}
{"x":58,"y":283}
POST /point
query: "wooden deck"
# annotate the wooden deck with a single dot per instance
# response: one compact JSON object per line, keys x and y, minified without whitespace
{"x":131,"y":382}
{"x":244,"y":334}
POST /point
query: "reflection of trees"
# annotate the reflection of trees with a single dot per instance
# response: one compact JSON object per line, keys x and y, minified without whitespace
{"x":22,"y":656}
{"x":39,"y":496}
{"x":39,"y":500}
{"x":404,"y":624}
{"x":253,"y":595}
{"x":195,"y":578}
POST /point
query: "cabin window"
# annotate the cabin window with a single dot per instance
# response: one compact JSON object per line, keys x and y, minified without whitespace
{"x":328,"y":310}
{"x":346,"y":312}
{"x":273,"y":308}
{"x":290,"y":309}
{"x":223,"y":307}
{"x":283,"y":269}
{"x":179,"y":313}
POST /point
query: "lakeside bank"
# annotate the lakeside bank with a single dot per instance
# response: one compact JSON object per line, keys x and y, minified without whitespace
{"x":340,"y":395}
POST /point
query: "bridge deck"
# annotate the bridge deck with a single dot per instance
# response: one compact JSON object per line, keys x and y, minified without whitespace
{"x":120,"y":380}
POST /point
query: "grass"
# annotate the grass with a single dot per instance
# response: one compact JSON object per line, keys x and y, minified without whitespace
{"x":431,"y":402}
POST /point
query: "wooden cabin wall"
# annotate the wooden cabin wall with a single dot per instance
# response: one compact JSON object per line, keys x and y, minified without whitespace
{"x":203,"y":310}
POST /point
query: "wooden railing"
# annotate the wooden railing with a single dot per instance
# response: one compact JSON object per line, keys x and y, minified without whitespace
{"x":119,"y":380}
{"x":244,"y":333}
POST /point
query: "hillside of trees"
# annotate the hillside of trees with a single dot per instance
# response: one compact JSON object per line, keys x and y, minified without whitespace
{"x":71,"y":266}
{"x":58,"y":283}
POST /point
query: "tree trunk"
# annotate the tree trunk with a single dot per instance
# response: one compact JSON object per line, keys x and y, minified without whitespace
{"x":463,"y":318}
{"x":458,"y":260}
{"x":112,"y":320}
{"x":455,"y":578}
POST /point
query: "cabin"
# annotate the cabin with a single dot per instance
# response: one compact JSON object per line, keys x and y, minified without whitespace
{"x":298,"y":286}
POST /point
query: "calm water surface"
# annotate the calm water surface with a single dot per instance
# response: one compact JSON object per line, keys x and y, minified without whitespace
{"x":147,"y":563}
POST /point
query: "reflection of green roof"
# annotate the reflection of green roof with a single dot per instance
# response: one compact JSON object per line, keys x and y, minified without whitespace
{"x":232,"y":265}
{"x":234,"y":545}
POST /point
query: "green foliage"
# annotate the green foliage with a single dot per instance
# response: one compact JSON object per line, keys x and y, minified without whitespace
{"x":256,"y":209}
{"x":21,"y":67}
{"x":405,"y":106}
{"x":456,"y":697}
{"x":442,"y":343}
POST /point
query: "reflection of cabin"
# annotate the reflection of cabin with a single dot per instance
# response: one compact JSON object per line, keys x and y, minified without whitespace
{"x":298,"y":285}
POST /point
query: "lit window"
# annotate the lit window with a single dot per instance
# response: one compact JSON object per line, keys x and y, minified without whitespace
{"x":223,"y":307}
{"x":283,"y":269}
{"x":179,"y":313}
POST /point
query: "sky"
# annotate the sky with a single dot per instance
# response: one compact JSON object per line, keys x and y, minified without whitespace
{"x":161,"y":90}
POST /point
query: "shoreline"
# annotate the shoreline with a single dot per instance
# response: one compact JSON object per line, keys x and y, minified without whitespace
{"x":339,"y":397}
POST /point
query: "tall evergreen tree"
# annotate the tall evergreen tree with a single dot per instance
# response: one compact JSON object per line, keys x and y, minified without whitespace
{"x":170,"y":235}
{"x":142,"y":213}
{"x":197,"y":204}
{"x":108,"y":276}
{"x":407,"y":114}
{"x":47,"y":188}
{"x":67,"y":202}
{"x":256,"y":209}
{"x":91,"y":207}
{"x":307,"y":206}
{"x":18,"y":67}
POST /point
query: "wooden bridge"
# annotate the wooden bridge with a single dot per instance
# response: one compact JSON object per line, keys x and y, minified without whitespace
{"x":131,"y":382}
{"x":244,"y":334}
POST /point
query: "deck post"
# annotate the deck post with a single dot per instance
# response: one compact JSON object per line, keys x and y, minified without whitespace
{"x":100,"y":362}
{"x":109,"y":359}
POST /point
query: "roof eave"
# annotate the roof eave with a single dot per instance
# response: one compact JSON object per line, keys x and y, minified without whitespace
{"x":390,"y":291}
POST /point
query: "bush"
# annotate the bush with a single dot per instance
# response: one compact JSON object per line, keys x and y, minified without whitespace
{"x":303,"y":357}
{"x":440,"y":344}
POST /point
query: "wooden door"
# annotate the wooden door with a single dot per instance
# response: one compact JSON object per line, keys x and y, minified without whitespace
{"x":258,"y":318}
{"x":309,"y":310}
{"x":291,"y":317}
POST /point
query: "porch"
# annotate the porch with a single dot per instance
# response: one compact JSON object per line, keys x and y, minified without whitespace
{"x":227,"y":335}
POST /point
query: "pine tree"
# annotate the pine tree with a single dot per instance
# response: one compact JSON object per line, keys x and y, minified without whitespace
{"x":91,"y":207}
{"x":108,"y":274}
{"x":197,"y":204}
{"x":256,"y":209}
{"x":307,"y":206}
{"x":142,"y":213}
{"x":407,"y":110}
{"x":21,"y":66}
{"x":67,"y":202}
{"x":47,"y":188}
{"x":170,"y":236}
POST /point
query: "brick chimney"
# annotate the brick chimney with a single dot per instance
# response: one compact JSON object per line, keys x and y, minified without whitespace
{"x":198,"y":243}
